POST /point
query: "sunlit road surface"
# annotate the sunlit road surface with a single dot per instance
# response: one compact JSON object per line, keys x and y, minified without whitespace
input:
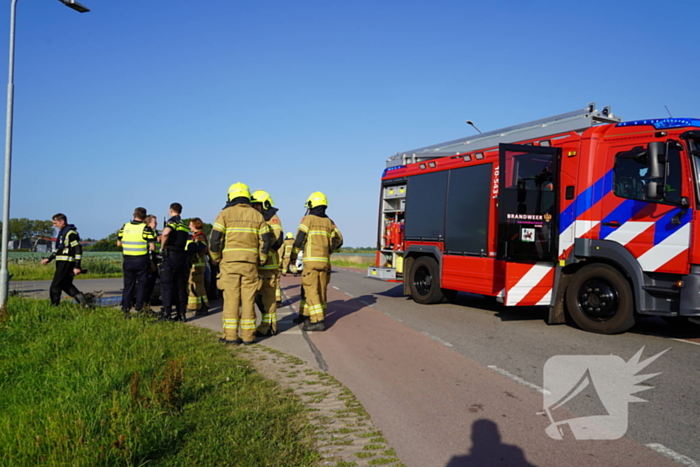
{"x":461,"y":384}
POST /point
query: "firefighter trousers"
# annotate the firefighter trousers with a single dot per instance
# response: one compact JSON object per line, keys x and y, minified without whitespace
{"x":197,"y":289}
{"x":62,"y":281}
{"x":239,"y":282}
{"x":267,"y":302}
{"x":315,"y":282}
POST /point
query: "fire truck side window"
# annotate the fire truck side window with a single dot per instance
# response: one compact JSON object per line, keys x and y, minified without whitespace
{"x":630,"y":177}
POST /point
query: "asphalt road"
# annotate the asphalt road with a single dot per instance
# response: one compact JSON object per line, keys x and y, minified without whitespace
{"x":513,"y":344}
{"x":460,"y":384}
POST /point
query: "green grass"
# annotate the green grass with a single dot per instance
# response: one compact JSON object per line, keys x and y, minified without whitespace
{"x":88,"y":388}
{"x":28,"y":267}
{"x":355,"y":261}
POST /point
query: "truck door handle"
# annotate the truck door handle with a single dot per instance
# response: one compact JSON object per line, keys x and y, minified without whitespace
{"x":613,"y":224}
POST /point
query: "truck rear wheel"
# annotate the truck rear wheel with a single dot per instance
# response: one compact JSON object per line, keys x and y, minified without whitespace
{"x":424,"y":281}
{"x":599,"y":299}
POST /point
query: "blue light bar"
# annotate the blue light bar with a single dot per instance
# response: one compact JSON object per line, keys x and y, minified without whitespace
{"x":389,"y":169}
{"x":664,"y":123}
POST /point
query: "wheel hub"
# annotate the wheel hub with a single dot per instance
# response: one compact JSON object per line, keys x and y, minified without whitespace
{"x":598,"y":299}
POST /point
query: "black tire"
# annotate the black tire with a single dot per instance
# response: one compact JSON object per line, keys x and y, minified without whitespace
{"x":424,"y":281}
{"x":599,"y":299}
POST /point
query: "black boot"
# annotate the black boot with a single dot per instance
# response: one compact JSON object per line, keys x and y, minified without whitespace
{"x":300,"y":319}
{"x":203,"y":311}
{"x":319,"y":326}
{"x":164,"y":314}
{"x":55,"y":298}
{"x":80,"y":298}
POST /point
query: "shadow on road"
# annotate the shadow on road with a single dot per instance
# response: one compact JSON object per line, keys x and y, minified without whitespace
{"x":338,"y":309}
{"x":488,"y":450}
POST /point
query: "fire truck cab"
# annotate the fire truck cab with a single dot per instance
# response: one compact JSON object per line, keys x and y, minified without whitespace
{"x":581,"y":212}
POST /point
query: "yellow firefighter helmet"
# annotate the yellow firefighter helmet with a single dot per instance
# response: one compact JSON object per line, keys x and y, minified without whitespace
{"x":289,"y":235}
{"x":262,"y":197}
{"x":316,"y":199}
{"x":238,"y":190}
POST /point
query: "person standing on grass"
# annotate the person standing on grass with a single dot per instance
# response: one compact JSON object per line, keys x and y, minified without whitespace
{"x":68,"y":255}
{"x":137,"y":241}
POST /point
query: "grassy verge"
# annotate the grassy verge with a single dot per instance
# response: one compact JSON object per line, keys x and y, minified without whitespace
{"x":88,"y":388}
{"x":360,"y":262}
{"x":28,"y":267}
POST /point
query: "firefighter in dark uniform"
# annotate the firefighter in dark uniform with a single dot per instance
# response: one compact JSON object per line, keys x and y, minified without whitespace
{"x":68,"y":255}
{"x":137,"y":241}
{"x":175,"y":268}
{"x":318,"y":237}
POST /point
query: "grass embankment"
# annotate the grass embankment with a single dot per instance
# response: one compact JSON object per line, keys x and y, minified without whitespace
{"x":88,"y":388}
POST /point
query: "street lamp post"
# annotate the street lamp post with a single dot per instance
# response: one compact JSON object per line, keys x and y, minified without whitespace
{"x":4,"y":275}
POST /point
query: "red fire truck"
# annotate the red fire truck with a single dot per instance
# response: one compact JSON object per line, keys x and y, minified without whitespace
{"x":581,"y":212}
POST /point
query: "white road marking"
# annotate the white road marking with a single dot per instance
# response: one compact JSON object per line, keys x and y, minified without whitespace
{"x":351,"y":296}
{"x":673,"y":455}
{"x":394,"y":317}
{"x":518,"y":379}
{"x":437,"y":339}
{"x":687,"y":342}
{"x":336,"y":288}
{"x":365,"y":303}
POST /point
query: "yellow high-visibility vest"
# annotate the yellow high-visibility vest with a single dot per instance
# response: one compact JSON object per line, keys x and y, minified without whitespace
{"x":133,"y":243}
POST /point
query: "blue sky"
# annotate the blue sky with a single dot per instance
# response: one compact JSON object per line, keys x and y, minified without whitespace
{"x":149,"y":102}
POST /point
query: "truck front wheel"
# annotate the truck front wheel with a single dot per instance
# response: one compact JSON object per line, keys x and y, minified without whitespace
{"x":599,"y":299}
{"x":424,"y":281}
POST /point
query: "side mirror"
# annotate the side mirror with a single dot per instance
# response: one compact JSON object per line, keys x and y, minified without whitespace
{"x":655,"y":190}
{"x":685,"y":202}
{"x":656,"y":159}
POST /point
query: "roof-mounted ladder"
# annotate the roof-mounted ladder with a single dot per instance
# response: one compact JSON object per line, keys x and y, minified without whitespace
{"x":578,"y":120}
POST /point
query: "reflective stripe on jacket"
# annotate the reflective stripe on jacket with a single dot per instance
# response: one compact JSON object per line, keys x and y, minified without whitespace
{"x":71,"y":251}
{"x":240,"y":233}
{"x":320,"y":237}
{"x":276,"y":233}
{"x":134,"y":238}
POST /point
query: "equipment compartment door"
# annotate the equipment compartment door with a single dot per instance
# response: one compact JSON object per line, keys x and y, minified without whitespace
{"x":528,"y":203}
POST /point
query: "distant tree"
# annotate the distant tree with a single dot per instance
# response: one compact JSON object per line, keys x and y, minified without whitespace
{"x":20,"y":228}
{"x":108,"y":243}
{"x":41,"y":229}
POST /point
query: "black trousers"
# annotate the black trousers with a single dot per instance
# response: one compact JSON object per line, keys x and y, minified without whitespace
{"x":62,"y":281}
{"x":150,"y":284}
{"x":174,"y":274}
{"x":136,"y":269}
